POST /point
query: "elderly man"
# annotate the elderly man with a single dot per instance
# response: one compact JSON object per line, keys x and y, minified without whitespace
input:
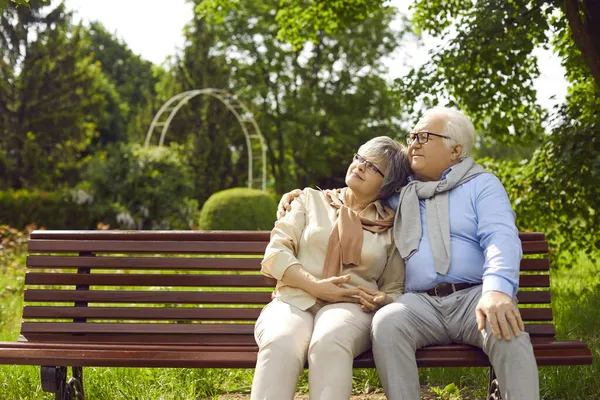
{"x":456,"y":230}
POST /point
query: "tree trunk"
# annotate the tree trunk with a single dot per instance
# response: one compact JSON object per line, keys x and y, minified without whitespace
{"x":584,"y":21}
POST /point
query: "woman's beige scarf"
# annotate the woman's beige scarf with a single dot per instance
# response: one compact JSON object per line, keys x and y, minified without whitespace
{"x":345,"y":242}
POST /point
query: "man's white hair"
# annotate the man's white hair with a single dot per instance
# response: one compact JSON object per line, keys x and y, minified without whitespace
{"x":458,"y":126}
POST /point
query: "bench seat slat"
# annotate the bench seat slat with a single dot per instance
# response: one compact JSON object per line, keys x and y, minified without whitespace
{"x":550,"y":353}
{"x":147,"y":339}
{"x":151,"y":280}
{"x":141,"y":313}
{"x":157,"y":297}
{"x":146,"y":263}
{"x":118,"y":246}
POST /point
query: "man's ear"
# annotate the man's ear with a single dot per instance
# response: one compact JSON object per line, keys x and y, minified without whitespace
{"x":455,"y":156}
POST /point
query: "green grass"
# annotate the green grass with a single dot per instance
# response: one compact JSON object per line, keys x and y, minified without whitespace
{"x":576,"y":303}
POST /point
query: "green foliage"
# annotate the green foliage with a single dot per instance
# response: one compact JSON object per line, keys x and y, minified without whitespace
{"x":238,"y":209}
{"x":134,"y":187}
{"x":300,"y":21}
{"x":483,"y":66}
{"x":131,"y":78}
{"x":315,"y":105}
{"x":51,"y":98}
{"x":62,"y":209}
{"x":450,"y":392}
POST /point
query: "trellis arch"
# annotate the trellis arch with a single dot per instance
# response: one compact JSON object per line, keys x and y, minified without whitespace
{"x":255,"y":142}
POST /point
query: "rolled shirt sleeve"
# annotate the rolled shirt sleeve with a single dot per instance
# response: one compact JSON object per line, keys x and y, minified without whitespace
{"x":498,"y":237}
{"x":282,"y":249}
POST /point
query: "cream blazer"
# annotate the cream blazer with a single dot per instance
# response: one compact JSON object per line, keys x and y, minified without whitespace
{"x":301,"y":237}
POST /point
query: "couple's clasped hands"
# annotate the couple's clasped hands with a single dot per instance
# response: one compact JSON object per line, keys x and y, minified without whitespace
{"x":333,"y":291}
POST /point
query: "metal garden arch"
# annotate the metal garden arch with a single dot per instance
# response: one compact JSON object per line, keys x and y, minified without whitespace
{"x":255,"y":142}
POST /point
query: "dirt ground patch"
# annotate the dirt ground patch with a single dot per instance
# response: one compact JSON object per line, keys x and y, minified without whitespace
{"x":426,"y":394}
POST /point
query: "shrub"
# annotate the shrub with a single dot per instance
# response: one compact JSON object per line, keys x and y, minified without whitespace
{"x":238,"y":209}
{"x":61,"y":209}
{"x":137,"y":188}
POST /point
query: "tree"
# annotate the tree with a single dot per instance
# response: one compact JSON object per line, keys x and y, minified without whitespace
{"x":302,"y":20}
{"x":51,"y":97}
{"x":132,"y":77}
{"x":315,"y":105}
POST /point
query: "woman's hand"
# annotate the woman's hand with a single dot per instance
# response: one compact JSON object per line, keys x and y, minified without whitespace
{"x":372,"y":300}
{"x":331,"y":291}
{"x":285,"y":204}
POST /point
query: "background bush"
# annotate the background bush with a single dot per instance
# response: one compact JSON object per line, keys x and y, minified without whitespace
{"x":132,"y":187}
{"x":238,"y":209}
{"x":63,"y":209}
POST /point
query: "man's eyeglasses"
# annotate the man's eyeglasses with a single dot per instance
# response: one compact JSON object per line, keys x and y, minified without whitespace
{"x":370,"y":166}
{"x":422,"y":137}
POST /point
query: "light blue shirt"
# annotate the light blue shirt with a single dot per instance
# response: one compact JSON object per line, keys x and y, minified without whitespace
{"x":484,"y":240}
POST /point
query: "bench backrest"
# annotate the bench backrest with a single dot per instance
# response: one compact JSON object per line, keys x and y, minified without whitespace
{"x":182,"y":287}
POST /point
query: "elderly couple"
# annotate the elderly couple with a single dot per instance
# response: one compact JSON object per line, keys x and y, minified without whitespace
{"x":419,"y":249}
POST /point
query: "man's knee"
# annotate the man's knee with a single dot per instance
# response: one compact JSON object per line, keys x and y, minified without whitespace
{"x":517,"y":348}
{"x":390,"y":323}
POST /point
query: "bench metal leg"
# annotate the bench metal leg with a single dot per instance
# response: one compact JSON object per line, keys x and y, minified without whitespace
{"x":493,"y":388}
{"x":54,"y":380}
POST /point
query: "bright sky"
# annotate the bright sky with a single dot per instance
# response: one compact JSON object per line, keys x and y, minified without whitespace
{"x":154,"y":30}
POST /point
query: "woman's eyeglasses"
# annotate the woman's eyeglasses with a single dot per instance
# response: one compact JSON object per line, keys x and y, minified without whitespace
{"x":370,"y":166}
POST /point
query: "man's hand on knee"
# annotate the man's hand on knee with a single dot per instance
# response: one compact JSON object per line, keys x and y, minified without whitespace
{"x":499,"y":309}
{"x":285,"y":204}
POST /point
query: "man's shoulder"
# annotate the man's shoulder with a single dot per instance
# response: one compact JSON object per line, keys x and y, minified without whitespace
{"x":484,"y":180}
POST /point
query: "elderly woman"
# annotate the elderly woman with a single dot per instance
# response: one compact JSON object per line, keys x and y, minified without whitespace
{"x":335,"y":262}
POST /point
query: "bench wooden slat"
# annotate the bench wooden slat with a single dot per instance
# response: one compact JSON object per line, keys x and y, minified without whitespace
{"x":173,"y":263}
{"x":171,"y":313}
{"x":118,"y":246}
{"x":535,"y":264}
{"x":137,"y":328}
{"x":536,"y":314}
{"x":174,"y":235}
{"x":542,"y":297}
{"x":534,"y":281}
{"x":236,"y":236}
{"x":147,"y":339}
{"x":551,"y":353}
{"x":182,"y":246}
{"x":150,"y":280}
{"x":190,"y":280}
{"x":146,"y":263}
{"x":140,"y":313}
{"x":535,"y":247}
{"x":121,"y":296}
{"x":191,"y":329}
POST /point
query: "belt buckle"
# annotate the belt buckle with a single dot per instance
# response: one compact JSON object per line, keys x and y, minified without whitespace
{"x":442,"y":285}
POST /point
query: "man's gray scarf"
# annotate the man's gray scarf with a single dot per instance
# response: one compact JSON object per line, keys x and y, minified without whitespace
{"x":407,"y":224}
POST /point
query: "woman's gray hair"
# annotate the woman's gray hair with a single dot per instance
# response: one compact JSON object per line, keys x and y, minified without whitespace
{"x":386,"y":149}
{"x":458,"y":127}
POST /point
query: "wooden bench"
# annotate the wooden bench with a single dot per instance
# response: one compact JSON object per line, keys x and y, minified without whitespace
{"x":190,"y":299}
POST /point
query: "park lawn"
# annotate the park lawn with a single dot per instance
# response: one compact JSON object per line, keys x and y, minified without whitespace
{"x":576,"y":302}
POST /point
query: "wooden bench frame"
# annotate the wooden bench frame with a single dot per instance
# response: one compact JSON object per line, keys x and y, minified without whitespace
{"x":208,"y":328}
